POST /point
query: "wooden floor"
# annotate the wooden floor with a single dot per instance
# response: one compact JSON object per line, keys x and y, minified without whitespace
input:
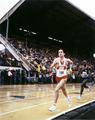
{"x":31,"y":102}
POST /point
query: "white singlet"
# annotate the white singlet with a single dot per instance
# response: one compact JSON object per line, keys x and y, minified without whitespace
{"x":61,"y":71}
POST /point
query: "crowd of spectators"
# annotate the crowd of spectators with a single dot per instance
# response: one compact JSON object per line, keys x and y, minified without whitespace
{"x":41,"y":58}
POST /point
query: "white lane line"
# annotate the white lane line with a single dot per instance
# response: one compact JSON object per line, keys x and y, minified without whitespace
{"x":10,"y":101}
{"x":61,"y":113}
{"x":32,"y":106}
{"x":24,"y":108}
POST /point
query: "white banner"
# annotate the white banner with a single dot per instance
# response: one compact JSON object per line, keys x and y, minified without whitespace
{"x":87,"y":6}
{"x":6,"y":5}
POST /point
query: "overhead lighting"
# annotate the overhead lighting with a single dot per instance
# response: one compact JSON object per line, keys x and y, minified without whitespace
{"x":33,"y":33}
{"x":20,"y":29}
{"x":25,"y":30}
{"x":55,"y":39}
{"x":94,"y":55}
{"x":50,"y":38}
{"x":60,"y":41}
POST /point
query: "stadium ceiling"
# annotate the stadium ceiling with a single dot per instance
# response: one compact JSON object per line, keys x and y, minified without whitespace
{"x":51,"y":18}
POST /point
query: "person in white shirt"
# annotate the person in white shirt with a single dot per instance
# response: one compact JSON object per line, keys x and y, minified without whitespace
{"x":61,"y":65}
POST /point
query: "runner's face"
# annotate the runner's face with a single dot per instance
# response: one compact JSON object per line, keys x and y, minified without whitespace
{"x":60,"y":53}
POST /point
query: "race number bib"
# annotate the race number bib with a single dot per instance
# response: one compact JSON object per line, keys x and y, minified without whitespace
{"x":61,"y":72}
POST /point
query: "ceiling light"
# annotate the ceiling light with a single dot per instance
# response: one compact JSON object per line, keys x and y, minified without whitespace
{"x":50,"y":38}
{"x":33,"y":33}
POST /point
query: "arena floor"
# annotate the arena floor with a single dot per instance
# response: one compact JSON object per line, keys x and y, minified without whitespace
{"x":31,"y":102}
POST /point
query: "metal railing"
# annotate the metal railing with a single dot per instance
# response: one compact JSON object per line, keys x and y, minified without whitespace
{"x":15,"y":52}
